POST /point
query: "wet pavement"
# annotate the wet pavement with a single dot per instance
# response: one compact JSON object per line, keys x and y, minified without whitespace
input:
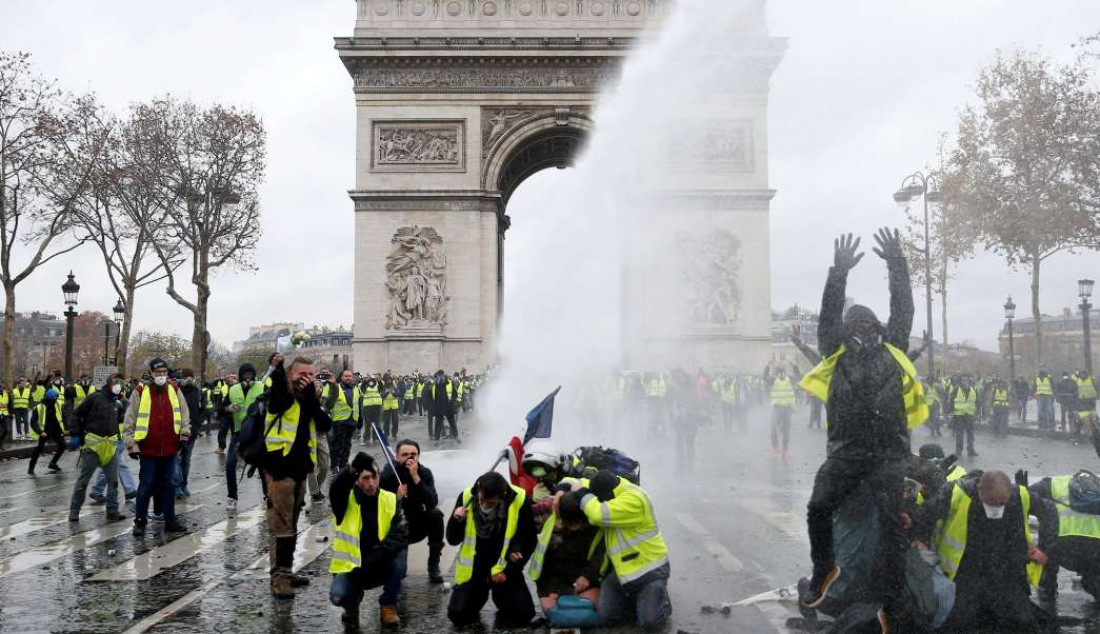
{"x":735,"y":528}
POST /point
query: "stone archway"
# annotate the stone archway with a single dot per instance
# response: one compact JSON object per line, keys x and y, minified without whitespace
{"x":459,"y":101}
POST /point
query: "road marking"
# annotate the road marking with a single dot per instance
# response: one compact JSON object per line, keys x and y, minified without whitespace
{"x":52,"y":551}
{"x":43,"y":521}
{"x":36,"y":490}
{"x":153,"y":562}
{"x":304,"y":554}
{"x":722,"y":554}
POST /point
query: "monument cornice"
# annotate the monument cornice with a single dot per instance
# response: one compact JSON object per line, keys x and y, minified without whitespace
{"x":525,"y":74}
{"x":352,"y":46}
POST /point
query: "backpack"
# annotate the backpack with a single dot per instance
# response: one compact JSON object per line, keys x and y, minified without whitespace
{"x":587,"y":461}
{"x":251,"y":446}
{"x":1084,"y":493}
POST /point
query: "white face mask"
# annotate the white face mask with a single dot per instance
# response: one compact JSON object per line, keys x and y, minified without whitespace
{"x":160,"y":380}
{"x":116,"y":388}
{"x":993,"y":512}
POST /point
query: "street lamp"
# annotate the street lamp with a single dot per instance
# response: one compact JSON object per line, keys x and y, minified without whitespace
{"x":1084,"y":291}
{"x":69,"y":290}
{"x":1010,"y":314}
{"x":120,"y":314}
{"x":926,"y":187}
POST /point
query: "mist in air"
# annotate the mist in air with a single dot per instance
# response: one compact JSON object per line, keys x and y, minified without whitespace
{"x":568,"y":318}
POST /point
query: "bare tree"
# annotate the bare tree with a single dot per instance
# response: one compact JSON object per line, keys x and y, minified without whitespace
{"x":45,"y":165}
{"x":1017,"y":166}
{"x":215,"y":159}
{"x":123,"y":211}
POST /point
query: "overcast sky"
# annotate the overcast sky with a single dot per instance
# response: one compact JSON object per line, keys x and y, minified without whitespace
{"x":857,"y":104}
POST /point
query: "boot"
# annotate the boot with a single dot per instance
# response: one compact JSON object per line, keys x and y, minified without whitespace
{"x":434,"y":552}
{"x":281,"y":577}
{"x":139,"y":527}
{"x":280,"y":586}
{"x":350,"y":616}
{"x":389,"y":616}
{"x":74,"y":516}
{"x":297,"y":580}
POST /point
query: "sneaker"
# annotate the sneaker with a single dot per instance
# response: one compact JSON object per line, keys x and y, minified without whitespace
{"x":231,"y":505}
{"x":98,"y":498}
{"x":186,"y":492}
{"x":131,"y":495}
{"x":115,"y":516}
{"x":156,"y":517}
{"x":389,"y":616}
{"x":819,"y":588}
{"x":54,"y":468}
{"x":179,"y":495}
{"x":174,"y":527}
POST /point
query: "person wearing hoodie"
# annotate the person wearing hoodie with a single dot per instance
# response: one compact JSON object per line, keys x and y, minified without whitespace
{"x":47,"y":423}
{"x":95,"y":425}
{"x":873,"y":398}
{"x":157,"y":422}
{"x":442,"y":397}
{"x":241,"y":396}
{"x":414,"y":485}
{"x":192,"y":393}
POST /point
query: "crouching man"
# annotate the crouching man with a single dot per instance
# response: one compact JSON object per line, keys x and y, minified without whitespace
{"x":495,"y":528}
{"x":368,"y":549}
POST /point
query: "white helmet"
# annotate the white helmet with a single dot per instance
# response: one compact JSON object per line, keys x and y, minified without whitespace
{"x":540,"y":453}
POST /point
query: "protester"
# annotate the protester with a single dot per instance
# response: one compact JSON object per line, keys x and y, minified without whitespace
{"x":873,"y":398}
{"x":493,"y":524}
{"x":47,"y":423}
{"x":372,"y":407}
{"x":783,"y":400}
{"x":156,"y":423}
{"x":442,"y":400}
{"x":242,"y":394}
{"x":1044,"y":396}
{"x":963,"y":400}
{"x":95,"y":424}
{"x":414,"y":485}
{"x":370,"y":544}
{"x":20,"y":409}
{"x":343,"y":402}
{"x":569,"y":561}
{"x":193,"y":395}
{"x":1070,"y":539}
{"x":294,"y":402}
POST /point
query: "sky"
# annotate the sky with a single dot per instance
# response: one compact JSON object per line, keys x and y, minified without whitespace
{"x":859,"y":101}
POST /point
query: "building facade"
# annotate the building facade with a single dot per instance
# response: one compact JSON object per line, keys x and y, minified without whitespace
{"x":1063,"y":341}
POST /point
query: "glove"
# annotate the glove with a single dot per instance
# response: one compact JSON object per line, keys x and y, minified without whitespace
{"x":1021,"y":478}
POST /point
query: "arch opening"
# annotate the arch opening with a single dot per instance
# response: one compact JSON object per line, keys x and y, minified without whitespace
{"x":553,"y":148}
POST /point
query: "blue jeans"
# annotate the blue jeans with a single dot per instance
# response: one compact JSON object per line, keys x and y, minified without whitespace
{"x":645,"y":602}
{"x":183,"y":465}
{"x":348,"y":587}
{"x":1046,"y":410}
{"x":88,"y":463}
{"x":156,"y":479}
{"x":124,"y":474}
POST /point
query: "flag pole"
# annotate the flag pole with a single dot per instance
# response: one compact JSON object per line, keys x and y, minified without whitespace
{"x":386,"y":452}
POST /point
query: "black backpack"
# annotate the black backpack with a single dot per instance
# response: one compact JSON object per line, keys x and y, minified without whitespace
{"x":587,"y":461}
{"x":1084,"y":493}
{"x":251,"y":446}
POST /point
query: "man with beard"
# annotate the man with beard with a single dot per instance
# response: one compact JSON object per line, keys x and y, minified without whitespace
{"x":873,"y":399}
{"x":419,"y":500}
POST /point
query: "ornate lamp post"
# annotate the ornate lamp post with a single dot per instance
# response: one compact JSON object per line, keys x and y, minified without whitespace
{"x":69,"y":289}
{"x":1084,"y":291}
{"x":926,"y":187}
{"x":1010,"y":314}
{"x":120,"y":314}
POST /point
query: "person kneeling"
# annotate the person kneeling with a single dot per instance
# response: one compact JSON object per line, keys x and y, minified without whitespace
{"x":370,"y":541}
{"x":568,"y":565}
{"x":495,"y":526}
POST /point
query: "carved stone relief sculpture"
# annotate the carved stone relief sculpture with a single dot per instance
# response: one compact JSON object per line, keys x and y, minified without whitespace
{"x":415,"y":146}
{"x":416,"y":280}
{"x":710,"y":269}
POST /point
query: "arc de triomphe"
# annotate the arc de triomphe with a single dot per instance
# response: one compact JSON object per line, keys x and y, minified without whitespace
{"x":458,"y":101}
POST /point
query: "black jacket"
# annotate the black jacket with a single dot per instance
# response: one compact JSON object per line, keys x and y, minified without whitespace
{"x":193,"y":395}
{"x":422,"y":498}
{"x":371,"y":550}
{"x":865,"y":408}
{"x":297,"y":464}
{"x":438,"y":403}
{"x":487,"y":550}
{"x":99,"y":414}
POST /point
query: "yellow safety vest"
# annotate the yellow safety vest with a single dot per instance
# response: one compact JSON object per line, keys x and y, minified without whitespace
{"x":41,"y":409}
{"x":419,"y":390}
{"x":956,"y":473}
{"x":103,"y":447}
{"x":1086,"y":389}
{"x":464,"y":564}
{"x":950,"y":543}
{"x":21,"y":399}
{"x":346,"y":555}
{"x":371,"y":396}
{"x":341,"y":410}
{"x":281,"y":436}
{"x":38,"y":394}
{"x":545,"y":535}
{"x":145,"y":406}
{"x":410,"y":392}
{"x":817,"y":381}
{"x":206,"y":392}
{"x":1043,"y":387}
{"x":4,"y":400}
{"x":783,"y":392}
{"x":966,"y":402}
{"x":1000,"y":397}
{"x":1072,"y":523}
{"x":390,"y":402}
{"x":449,"y":390}
{"x":632,"y":538}
{"x":81,"y":394}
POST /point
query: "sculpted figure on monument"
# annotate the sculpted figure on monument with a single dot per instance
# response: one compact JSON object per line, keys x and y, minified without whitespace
{"x":416,"y":279}
{"x":710,"y":272}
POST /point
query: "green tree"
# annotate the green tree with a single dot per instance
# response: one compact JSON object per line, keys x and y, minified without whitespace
{"x":146,"y":346}
{"x":1016,"y":170}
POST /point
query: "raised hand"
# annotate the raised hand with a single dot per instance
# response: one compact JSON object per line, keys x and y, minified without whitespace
{"x":844,"y":253}
{"x":889,"y":244}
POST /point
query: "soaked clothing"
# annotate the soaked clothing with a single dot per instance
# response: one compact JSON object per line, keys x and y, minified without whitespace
{"x":567,"y":559}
